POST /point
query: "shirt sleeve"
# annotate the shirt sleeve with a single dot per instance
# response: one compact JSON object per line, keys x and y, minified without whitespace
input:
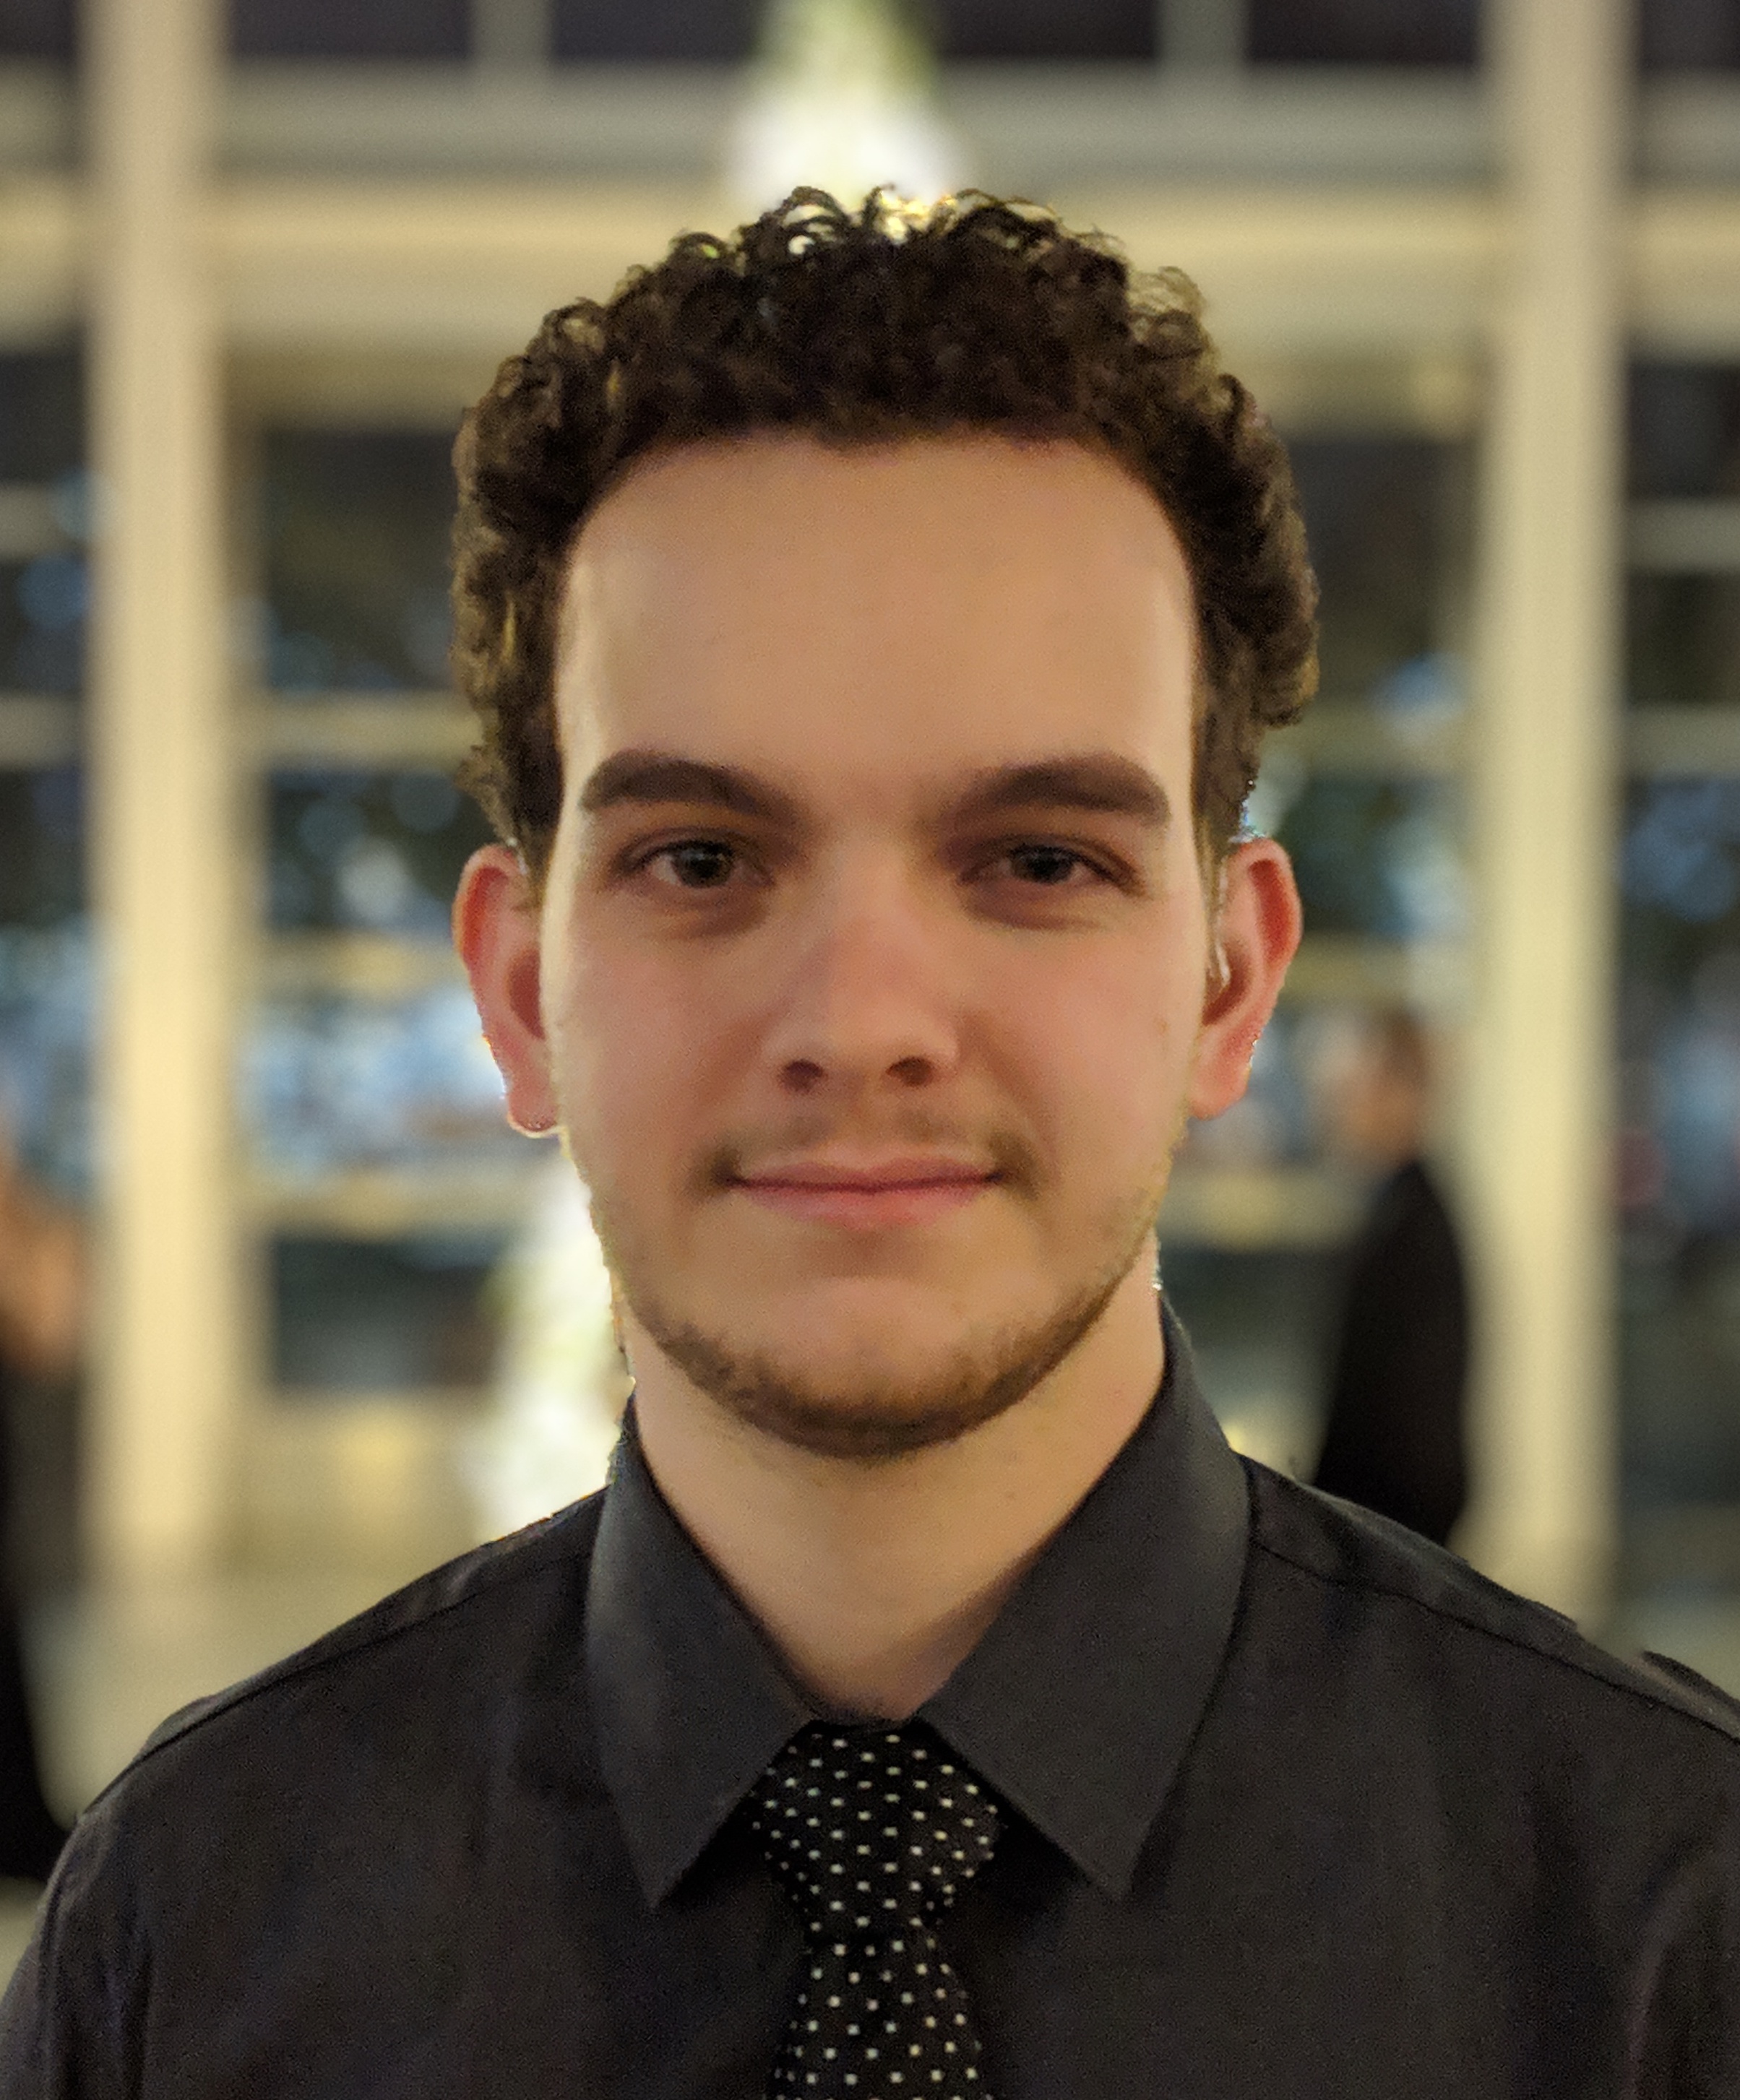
{"x":71,"y":2020}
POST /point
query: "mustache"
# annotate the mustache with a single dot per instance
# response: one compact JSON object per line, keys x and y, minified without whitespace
{"x":1011,"y":1159}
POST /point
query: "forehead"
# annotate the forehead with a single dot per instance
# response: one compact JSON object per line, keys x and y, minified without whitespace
{"x":928,"y":605}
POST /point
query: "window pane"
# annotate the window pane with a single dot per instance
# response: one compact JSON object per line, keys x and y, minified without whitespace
{"x":1688,"y":35}
{"x":46,"y":977}
{"x":1679,"y":1016}
{"x":1380,"y":858}
{"x":1364,"y":31}
{"x":1682,"y":640}
{"x":332,"y":1080}
{"x":382,"y":1315}
{"x":1258,"y":1323}
{"x":42,"y":846}
{"x":36,"y":29}
{"x":1685,"y":431}
{"x":1679,"y":1045}
{"x":341,"y":29}
{"x":355,"y":525}
{"x":41,"y":414}
{"x":375,"y":852}
{"x":1382,"y":514}
{"x":648,"y":29}
{"x":1045,"y":29}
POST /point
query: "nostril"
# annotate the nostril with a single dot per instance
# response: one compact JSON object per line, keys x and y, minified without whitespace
{"x":802,"y":1075}
{"x":912,"y":1071}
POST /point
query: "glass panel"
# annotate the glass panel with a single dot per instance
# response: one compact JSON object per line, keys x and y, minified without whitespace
{"x":1384,"y":515}
{"x":1679,"y":1016}
{"x":698,"y":30}
{"x":1680,"y":1151}
{"x":42,"y":414}
{"x":1263,"y":1369}
{"x":332,"y":1081}
{"x":1364,"y":33}
{"x":42,"y":846}
{"x":1685,"y":429}
{"x":1688,"y":35}
{"x":341,"y":29}
{"x":377,"y":852}
{"x":46,"y":973}
{"x":355,"y":525}
{"x":1380,"y":858}
{"x":1045,"y":29}
{"x":382,"y":1315}
{"x":36,"y":29}
{"x":43,"y":604}
{"x":1682,"y":640}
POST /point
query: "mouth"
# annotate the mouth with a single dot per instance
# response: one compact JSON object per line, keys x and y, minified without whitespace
{"x":867,"y":1197}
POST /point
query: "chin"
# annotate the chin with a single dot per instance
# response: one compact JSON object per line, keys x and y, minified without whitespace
{"x":887,"y":1373}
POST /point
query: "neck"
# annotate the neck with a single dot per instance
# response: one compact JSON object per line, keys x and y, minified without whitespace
{"x":873,"y":1581}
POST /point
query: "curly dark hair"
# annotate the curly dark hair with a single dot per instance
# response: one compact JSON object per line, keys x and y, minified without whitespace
{"x":865,"y":328}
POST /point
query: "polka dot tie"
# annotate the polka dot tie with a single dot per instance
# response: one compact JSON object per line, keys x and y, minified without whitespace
{"x":872,"y":1831}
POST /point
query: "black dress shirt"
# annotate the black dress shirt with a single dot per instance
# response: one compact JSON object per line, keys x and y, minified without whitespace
{"x":1300,"y":1808}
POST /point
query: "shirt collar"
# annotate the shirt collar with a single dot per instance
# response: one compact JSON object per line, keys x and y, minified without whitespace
{"x":1078,"y":1704}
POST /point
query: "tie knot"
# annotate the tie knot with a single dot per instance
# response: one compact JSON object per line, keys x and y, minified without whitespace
{"x":871,"y":1828}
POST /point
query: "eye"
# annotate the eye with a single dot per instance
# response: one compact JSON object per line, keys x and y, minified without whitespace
{"x":1048,"y":866}
{"x":694,"y":864}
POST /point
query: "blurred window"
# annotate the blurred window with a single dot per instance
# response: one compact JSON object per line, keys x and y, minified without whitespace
{"x":1381,"y":514}
{"x":42,"y":394}
{"x":355,"y":525}
{"x":343,"y":29}
{"x":1378,"y":857}
{"x":1045,"y":29}
{"x":1421,"y":33}
{"x":46,"y":971}
{"x":1367,"y":799}
{"x":1678,"y":1168}
{"x":1689,"y":36}
{"x":381,"y":1316}
{"x":1684,"y":427}
{"x":334,"y":1081}
{"x":379,"y":853}
{"x":699,"y":30}
{"x":695,"y":30}
{"x":36,"y":29}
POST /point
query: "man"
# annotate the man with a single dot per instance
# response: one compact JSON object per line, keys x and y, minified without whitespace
{"x":1393,"y":1431}
{"x":873,"y":621}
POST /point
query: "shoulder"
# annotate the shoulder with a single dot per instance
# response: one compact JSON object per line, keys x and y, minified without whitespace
{"x":428,"y":1650}
{"x":1405,"y":1609}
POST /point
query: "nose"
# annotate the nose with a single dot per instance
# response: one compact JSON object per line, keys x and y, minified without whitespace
{"x":867,"y":999}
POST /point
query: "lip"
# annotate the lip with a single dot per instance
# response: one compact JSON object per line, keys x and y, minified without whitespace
{"x":874,"y":1197}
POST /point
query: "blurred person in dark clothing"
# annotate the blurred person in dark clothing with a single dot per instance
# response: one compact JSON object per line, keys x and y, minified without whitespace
{"x":42,"y":1292}
{"x":1394,"y":1436}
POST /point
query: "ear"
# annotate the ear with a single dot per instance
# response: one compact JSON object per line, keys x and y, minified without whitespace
{"x":1256,"y":931}
{"x":496,"y":931}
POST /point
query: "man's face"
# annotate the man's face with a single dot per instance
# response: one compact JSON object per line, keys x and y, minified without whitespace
{"x":872,"y":966}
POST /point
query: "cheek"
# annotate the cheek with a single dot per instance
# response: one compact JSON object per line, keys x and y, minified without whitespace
{"x":639,"y":1060}
{"x":1104,"y":1052}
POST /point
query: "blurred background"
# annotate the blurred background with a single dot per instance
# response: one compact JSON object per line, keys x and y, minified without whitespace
{"x":1482,"y":265}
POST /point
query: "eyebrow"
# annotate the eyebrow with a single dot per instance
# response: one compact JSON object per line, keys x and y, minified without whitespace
{"x":1099,"y":782}
{"x":655,"y":777}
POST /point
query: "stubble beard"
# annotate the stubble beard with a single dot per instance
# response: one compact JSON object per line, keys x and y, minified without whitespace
{"x":877,"y":1419}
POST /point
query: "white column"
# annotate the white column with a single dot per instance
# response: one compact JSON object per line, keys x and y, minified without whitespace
{"x":1543,"y":783}
{"x":167,"y":1372}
